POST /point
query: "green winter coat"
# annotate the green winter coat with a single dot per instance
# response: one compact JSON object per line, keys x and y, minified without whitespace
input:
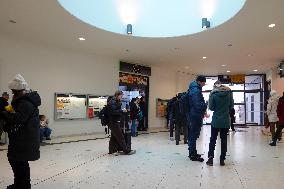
{"x":221,"y":102}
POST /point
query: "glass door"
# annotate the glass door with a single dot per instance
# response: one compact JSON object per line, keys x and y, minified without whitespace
{"x":254,"y":108}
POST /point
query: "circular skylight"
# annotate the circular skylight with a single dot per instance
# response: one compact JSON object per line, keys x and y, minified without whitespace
{"x":153,"y":18}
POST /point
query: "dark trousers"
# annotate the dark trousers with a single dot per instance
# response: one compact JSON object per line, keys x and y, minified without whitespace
{"x":1,"y":128}
{"x":21,"y":170}
{"x":172,"y":126}
{"x":181,"y":124}
{"x":278,"y":133}
{"x":213,"y":139}
{"x":232,"y":126}
{"x":117,"y":140}
{"x":194,"y":132}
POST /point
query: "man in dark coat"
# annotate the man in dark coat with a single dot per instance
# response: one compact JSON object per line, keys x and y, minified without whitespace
{"x":117,"y":140}
{"x":3,"y":103}
{"x":22,"y":126}
{"x":180,"y":121}
{"x":197,"y":109}
{"x":171,"y":114}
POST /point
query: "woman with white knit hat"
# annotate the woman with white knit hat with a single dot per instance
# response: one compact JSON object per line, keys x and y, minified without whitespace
{"x":22,"y":126}
{"x":272,"y":112}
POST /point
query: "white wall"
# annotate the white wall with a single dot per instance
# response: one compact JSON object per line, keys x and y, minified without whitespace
{"x":50,"y":70}
{"x":162,"y":85}
{"x":277,"y":83}
{"x":182,"y":80}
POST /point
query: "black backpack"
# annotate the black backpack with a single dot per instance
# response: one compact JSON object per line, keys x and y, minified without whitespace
{"x":184,"y":104}
{"x":103,"y":116}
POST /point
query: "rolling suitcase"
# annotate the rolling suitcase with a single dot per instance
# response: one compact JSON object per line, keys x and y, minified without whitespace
{"x":126,"y":129}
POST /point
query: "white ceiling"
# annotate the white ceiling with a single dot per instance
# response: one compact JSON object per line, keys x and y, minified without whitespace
{"x":46,"y":22}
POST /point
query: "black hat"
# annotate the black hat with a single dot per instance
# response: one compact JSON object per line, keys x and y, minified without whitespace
{"x":201,"y":78}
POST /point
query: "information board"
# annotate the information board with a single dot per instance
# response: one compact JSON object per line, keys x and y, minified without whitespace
{"x":96,"y":104}
{"x":70,"y":106}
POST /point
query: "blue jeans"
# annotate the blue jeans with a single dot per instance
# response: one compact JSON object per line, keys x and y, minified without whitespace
{"x":193,"y":134}
{"x":45,"y":132}
{"x":134,"y":127}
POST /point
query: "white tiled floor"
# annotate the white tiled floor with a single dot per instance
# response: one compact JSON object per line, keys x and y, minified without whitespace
{"x":159,"y":163}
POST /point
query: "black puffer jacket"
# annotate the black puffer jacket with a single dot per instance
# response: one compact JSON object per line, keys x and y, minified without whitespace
{"x":115,"y":111}
{"x":23,"y":128}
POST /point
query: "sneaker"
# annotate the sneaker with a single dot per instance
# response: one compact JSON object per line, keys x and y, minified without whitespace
{"x":131,"y":152}
{"x":210,"y":161}
{"x":48,"y":138}
{"x":177,"y":142}
{"x":196,"y":158}
{"x":172,"y":139}
{"x":199,"y":155}
{"x":279,"y":139}
{"x":185,"y":142}
{"x":272,"y":144}
{"x":222,"y":162}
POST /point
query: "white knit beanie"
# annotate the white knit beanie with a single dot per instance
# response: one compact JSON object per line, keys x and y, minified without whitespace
{"x":18,"y":83}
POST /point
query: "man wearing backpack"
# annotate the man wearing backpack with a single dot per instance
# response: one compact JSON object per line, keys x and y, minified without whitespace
{"x":117,"y":140}
{"x":196,"y":113}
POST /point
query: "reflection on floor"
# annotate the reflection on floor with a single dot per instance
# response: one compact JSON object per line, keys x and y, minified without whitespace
{"x":159,"y":163}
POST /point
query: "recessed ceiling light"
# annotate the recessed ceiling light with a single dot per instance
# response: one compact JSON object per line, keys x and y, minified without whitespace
{"x":81,"y":38}
{"x":204,"y":57}
{"x":224,"y":65}
{"x":228,"y":71}
{"x":12,"y":21}
{"x":271,"y":25}
{"x":255,"y":70}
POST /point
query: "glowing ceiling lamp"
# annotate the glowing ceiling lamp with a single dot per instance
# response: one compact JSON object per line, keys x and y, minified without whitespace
{"x":128,"y":10}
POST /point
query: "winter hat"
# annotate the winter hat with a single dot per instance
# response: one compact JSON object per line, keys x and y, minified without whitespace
{"x":201,"y":78}
{"x":18,"y":83}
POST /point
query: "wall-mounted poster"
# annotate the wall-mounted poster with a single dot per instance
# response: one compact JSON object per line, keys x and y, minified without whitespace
{"x":96,"y":104}
{"x":70,"y":106}
{"x":161,"y":109}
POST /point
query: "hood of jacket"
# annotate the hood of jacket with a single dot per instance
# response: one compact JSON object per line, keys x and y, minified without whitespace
{"x":194,"y":85}
{"x":32,"y":97}
{"x":221,"y":91}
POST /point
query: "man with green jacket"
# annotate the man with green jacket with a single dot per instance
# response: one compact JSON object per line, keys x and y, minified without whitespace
{"x":220,"y":102}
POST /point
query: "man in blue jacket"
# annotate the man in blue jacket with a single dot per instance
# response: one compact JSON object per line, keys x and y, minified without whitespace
{"x":197,"y":109}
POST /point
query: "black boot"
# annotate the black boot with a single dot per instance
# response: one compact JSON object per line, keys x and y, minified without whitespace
{"x":272,"y":144}
{"x":210,"y":161}
{"x":177,"y":142}
{"x":196,"y":158}
{"x":185,"y":142}
{"x":222,"y":162}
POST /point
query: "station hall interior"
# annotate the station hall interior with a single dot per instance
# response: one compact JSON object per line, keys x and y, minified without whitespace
{"x":77,"y":55}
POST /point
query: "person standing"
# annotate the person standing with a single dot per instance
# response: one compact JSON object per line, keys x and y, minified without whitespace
{"x":22,"y":127}
{"x":233,"y":119}
{"x":272,"y":113}
{"x":134,"y":110}
{"x":180,"y":120}
{"x":117,"y":140}
{"x":197,"y":109}
{"x":221,"y":103}
{"x":280,"y":114}
{"x":171,"y":114}
{"x":3,"y":103}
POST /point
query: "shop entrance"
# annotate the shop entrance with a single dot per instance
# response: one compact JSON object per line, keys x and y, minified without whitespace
{"x":248,"y":99}
{"x":134,"y":86}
